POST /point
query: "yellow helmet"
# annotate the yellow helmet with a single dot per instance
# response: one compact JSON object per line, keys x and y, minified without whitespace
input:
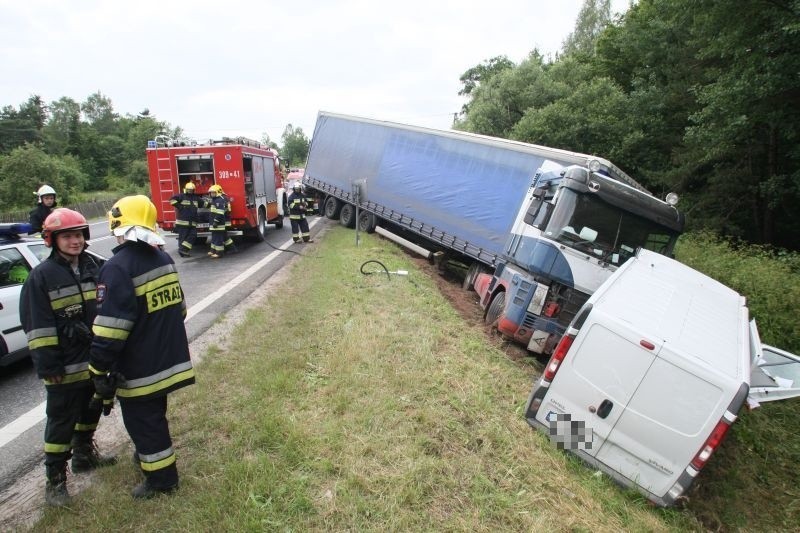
{"x":216,"y":189}
{"x":189,"y":187}
{"x":133,"y":211}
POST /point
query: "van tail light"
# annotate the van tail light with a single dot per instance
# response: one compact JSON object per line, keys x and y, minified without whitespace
{"x":558,"y":356}
{"x":711,"y":444}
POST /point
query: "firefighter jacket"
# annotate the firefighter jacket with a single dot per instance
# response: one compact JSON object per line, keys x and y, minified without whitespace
{"x":56,"y":310}
{"x":139,"y":330}
{"x":220,"y":209}
{"x":297,"y":205}
{"x":186,"y":206}
{"x":38,"y":215}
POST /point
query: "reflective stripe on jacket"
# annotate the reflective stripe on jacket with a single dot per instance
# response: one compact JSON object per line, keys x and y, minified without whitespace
{"x":139,"y":329}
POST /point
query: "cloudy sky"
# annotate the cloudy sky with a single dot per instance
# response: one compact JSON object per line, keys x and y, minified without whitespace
{"x":246,"y":68}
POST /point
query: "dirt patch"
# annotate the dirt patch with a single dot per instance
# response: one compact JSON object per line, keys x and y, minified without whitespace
{"x":467,"y":304}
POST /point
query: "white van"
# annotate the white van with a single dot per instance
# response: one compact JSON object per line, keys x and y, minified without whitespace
{"x":651,"y":374}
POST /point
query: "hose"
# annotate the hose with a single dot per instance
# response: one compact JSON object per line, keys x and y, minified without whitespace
{"x":386,"y":270}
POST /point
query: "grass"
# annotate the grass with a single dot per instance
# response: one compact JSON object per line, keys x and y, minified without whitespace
{"x":363,"y":405}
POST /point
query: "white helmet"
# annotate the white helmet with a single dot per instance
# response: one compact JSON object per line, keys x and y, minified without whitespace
{"x":44,"y":190}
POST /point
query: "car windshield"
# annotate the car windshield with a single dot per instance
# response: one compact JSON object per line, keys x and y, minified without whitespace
{"x":586,"y":223}
{"x":41,"y":251}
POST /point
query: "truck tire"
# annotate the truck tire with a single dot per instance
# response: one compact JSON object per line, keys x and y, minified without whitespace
{"x":367,"y":221}
{"x":472,"y":273}
{"x":279,"y":223}
{"x":332,"y":207}
{"x":495,"y":308}
{"x":260,"y":234}
{"x":347,"y":216}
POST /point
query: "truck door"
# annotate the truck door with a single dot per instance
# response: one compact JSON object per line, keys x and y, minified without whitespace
{"x":775,"y":373}
{"x":597,"y":379}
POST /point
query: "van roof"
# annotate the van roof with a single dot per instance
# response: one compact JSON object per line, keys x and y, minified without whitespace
{"x":698,"y":317}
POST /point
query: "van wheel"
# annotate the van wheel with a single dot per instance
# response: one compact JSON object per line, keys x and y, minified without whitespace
{"x":347,"y":216}
{"x":367,"y":221}
{"x":332,"y":207}
{"x":496,"y":308}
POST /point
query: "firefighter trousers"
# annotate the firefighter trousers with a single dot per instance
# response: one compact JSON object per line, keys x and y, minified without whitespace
{"x":68,"y":419}
{"x":146,"y":422}
{"x":187,"y":234}
{"x":300,"y":230}
{"x":218,"y":238}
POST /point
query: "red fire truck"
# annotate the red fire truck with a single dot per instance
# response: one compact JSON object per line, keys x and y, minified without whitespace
{"x":248,"y":172}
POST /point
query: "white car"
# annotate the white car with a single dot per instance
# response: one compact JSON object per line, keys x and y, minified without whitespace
{"x":18,"y":256}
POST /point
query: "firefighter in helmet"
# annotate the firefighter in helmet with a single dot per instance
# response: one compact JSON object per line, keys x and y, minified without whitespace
{"x":298,"y":206}
{"x":45,"y":203}
{"x":140,"y":352}
{"x":57,"y":307}
{"x":186,"y":205}
{"x":220,"y":209}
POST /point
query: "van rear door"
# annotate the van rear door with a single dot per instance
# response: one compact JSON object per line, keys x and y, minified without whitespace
{"x":594,"y":384}
{"x":775,"y":373}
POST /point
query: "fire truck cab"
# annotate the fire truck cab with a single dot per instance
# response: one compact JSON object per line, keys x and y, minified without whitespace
{"x":248,"y":172}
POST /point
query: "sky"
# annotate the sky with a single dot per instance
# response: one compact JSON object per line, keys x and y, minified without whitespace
{"x":236,"y":67}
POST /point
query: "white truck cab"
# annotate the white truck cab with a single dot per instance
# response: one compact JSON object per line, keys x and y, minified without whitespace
{"x":652,"y":372}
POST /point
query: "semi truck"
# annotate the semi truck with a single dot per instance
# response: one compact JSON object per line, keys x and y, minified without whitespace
{"x":249,"y":173}
{"x":538,"y":229}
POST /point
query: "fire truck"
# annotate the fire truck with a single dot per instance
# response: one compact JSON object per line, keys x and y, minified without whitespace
{"x":248,"y":172}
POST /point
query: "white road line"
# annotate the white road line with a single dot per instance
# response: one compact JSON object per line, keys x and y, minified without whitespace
{"x":14,"y":429}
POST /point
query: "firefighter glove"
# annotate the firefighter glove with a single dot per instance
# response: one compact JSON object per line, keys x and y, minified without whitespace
{"x":105,"y":386}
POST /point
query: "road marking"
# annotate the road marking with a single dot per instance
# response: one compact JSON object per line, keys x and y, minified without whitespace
{"x":14,"y":429}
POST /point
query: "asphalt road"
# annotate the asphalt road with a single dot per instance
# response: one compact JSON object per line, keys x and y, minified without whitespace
{"x":211,"y":287}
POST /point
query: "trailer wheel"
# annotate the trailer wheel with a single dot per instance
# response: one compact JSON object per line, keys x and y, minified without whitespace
{"x":367,"y":221}
{"x":472,"y":274}
{"x":496,"y":308}
{"x":332,"y":207}
{"x":347,"y":216}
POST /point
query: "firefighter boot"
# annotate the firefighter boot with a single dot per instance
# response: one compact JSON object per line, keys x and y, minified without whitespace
{"x":55,"y":490}
{"x":144,"y":491}
{"x":85,"y":456}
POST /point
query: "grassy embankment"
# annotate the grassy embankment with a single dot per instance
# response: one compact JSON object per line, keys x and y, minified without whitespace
{"x":365,"y":404}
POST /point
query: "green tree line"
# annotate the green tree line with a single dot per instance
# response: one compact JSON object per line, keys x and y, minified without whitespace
{"x":74,"y":147}
{"x":699,"y":98}
{"x":85,"y":147}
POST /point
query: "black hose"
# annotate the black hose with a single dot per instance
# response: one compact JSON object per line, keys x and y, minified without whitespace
{"x":376,"y":271}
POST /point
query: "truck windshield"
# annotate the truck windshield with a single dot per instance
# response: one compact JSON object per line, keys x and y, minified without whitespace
{"x":588,"y":224}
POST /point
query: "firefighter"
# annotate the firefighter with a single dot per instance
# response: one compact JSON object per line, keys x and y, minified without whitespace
{"x":186,"y":206}
{"x":140,"y":352}
{"x":57,"y":307}
{"x":220,"y":209}
{"x":45,"y":203}
{"x":297,"y":214}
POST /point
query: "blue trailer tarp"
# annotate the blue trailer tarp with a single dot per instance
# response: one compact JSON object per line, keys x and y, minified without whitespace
{"x":459,"y":184}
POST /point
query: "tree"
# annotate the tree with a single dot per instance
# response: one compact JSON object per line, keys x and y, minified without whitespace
{"x":481,"y":74}
{"x":295,"y":146}
{"x":28,"y":167}
{"x":593,"y":18}
{"x":61,"y":130}
{"x":98,"y":110}
{"x":18,"y":127}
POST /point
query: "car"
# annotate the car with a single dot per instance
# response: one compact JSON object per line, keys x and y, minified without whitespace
{"x":18,"y":256}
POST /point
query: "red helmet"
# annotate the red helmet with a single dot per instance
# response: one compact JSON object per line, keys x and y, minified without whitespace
{"x":63,"y":219}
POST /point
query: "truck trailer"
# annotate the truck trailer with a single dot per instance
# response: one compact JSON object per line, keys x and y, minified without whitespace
{"x":538,"y":228}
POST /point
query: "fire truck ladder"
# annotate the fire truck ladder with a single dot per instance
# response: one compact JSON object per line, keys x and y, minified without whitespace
{"x":165,"y":181}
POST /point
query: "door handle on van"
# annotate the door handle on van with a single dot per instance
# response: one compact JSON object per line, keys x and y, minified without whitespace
{"x":605,"y":408}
